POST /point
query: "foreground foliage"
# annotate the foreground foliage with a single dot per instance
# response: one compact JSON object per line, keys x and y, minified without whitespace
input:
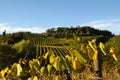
{"x":55,"y":61}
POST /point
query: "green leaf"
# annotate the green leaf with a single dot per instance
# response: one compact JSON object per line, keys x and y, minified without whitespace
{"x":79,"y":56}
{"x":69,"y":58}
{"x":62,"y":62}
{"x":32,"y":72}
{"x":68,"y":64}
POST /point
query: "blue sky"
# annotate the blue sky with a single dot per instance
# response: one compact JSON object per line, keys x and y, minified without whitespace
{"x":39,"y":15}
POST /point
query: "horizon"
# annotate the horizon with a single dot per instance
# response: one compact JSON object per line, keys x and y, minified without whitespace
{"x":50,"y":28}
{"x":39,"y":15}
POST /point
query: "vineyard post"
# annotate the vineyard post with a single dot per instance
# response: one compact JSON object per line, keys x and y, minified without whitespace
{"x":96,"y":62}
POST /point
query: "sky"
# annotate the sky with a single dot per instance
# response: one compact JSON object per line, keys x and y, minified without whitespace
{"x":39,"y":15}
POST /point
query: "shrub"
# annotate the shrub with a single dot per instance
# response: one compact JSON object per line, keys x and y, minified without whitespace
{"x":24,"y":49}
{"x":109,"y":60}
{"x":7,"y":55}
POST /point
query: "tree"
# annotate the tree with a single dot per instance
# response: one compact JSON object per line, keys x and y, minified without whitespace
{"x":4,"y":33}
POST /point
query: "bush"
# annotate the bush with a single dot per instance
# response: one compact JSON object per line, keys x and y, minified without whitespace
{"x":114,"y":42}
{"x":10,"y":54}
{"x":24,"y":49}
{"x":7,"y":55}
{"x":109,"y":61}
{"x":13,"y":38}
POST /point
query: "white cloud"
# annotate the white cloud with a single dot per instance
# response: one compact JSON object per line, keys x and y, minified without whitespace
{"x":11,"y":29}
{"x":3,"y":26}
{"x":111,"y":25}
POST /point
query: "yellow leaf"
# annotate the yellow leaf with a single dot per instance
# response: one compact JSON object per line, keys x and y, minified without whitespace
{"x":35,"y":78}
{"x":19,"y":69}
{"x":52,"y":58}
{"x":95,"y":55}
{"x":76,"y":64}
{"x":56,"y":78}
{"x":94,"y":48}
{"x":2,"y":73}
{"x":46,"y":55}
{"x":29,"y":79}
{"x":102,"y":47}
{"x":49,"y":67}
{"x":43,"y":70}
{"x":83,"y":47}
{"x":111,"y":50}
{"x":56,"y":63}
{"x":114,"y":56}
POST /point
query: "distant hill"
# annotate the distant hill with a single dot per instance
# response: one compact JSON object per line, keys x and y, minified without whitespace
{"x":84,"y":33}
{"x":79,"y":33}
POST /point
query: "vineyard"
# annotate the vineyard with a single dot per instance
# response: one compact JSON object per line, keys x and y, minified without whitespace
{"x":50,"y":45}
{"x":63,"y":59}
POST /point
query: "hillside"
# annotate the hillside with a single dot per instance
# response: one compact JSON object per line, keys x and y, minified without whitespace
{"x":82,"y":34}
{"x":60,"y":53}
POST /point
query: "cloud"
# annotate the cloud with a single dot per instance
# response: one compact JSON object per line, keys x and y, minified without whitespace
{"x":111,"y":25}
{"x":11,"y":29}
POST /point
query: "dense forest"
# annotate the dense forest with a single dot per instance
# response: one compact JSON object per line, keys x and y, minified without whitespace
{"x":67,"y":53}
